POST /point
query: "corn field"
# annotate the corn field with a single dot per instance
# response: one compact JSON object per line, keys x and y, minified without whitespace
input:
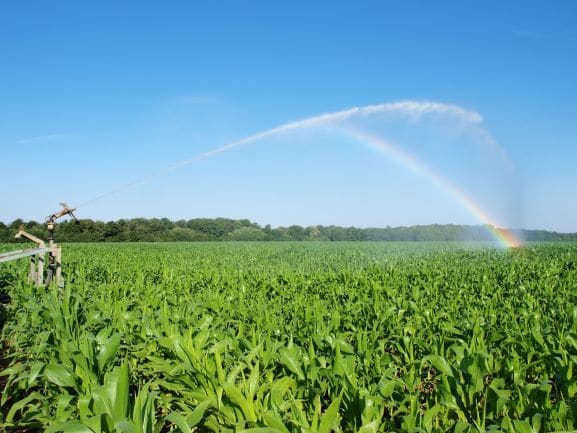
{"x":293,"y":337}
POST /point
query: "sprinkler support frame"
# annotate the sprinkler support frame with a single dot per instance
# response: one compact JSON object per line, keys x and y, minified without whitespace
{"x":37,"y":255}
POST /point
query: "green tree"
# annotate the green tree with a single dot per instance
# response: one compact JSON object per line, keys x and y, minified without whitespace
{"x":297,"y":233}
{"x":247,"y":234}
{"x":184,"y":234}
{"x":4,"y":232}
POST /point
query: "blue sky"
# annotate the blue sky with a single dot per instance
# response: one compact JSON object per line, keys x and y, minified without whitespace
{"x":96,"y":95}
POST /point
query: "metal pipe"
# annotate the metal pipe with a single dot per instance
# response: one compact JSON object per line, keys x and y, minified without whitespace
{"x":18,"y":254}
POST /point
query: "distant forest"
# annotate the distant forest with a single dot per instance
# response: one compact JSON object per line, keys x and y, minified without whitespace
{"x":223,"y":229}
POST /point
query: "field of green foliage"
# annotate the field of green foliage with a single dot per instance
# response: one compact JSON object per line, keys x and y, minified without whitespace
{"x":293,"y":337}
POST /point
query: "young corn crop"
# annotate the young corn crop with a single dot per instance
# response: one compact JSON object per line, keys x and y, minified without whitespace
{"x":286,"y":338}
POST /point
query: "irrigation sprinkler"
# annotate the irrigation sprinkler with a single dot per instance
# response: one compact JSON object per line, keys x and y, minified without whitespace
{"x":37,"y":255}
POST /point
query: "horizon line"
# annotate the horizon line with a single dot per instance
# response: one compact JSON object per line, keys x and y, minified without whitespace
{"x":495,"y":227}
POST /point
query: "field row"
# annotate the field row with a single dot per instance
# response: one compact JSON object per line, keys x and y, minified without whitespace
{"x":287,"y":337}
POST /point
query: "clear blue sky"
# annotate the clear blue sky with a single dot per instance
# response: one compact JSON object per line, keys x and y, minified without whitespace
{"x":95,"y":95}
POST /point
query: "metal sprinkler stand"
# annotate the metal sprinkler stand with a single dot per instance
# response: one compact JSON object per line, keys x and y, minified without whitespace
{"x":37,"y":255}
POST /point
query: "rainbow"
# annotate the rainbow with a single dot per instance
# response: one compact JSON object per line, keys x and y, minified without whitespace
{"x":503,"y":236}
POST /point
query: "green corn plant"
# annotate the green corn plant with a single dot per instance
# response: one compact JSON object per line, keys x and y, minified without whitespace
{"x":281,"y":337}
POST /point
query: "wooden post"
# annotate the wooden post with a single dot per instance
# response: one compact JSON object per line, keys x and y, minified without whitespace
{"x":57,"y":257}
{"x":32,"y":271}
{"x":40,"y":271}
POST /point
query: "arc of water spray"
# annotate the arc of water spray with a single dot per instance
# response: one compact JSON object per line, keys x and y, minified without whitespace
{"x":411,"y":109}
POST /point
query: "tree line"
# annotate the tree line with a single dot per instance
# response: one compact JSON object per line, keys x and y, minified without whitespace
{"x":225,"y":229}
